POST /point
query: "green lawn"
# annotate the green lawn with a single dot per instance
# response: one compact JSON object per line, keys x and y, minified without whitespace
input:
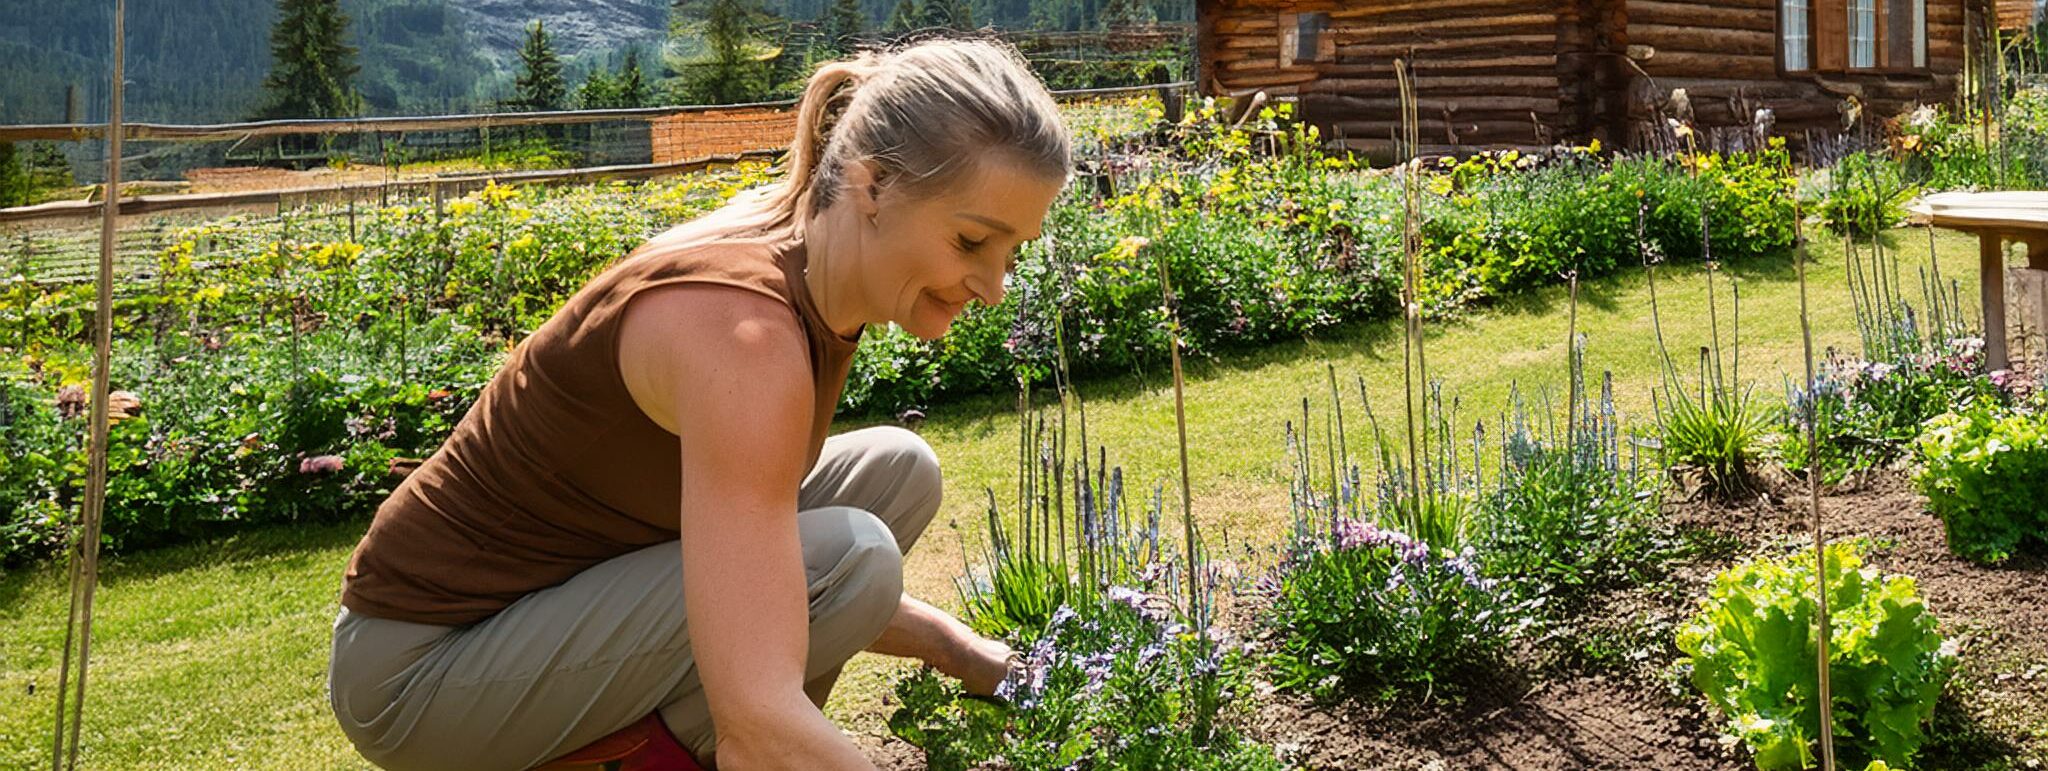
{"x":213,"y":656}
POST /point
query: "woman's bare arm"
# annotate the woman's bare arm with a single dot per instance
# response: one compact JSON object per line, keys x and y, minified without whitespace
{"x":730,"y":369}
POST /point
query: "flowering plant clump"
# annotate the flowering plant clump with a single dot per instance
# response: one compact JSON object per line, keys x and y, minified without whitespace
{"x":1121,"y":683}
{"x":1871,"y":411}
{"x":1752,"y":651}
{"x":1364,"y":610}
{"x":1984,"y":470}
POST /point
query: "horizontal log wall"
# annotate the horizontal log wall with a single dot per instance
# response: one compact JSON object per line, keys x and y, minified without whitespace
{"x":2015,"y":14}
{"x":1486,"y":71}
{"x":1724,"y":54}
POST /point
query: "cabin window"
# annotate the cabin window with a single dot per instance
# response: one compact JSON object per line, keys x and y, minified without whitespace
{"x":1303,"y":39}
{"x":1862,"y":34}
{"x":1796,"y":33}
{"x":1905,"y":33}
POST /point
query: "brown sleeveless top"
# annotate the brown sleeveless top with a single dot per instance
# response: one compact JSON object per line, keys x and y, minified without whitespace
{"x":555,"y":468}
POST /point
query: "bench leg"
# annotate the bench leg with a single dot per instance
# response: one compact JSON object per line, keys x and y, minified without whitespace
{"x":1991,"y":257}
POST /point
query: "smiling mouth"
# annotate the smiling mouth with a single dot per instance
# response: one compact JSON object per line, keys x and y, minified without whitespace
{"x":944,"y":304}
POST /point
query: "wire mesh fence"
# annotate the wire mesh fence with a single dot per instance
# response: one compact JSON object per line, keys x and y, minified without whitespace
{"x":328,"y":174}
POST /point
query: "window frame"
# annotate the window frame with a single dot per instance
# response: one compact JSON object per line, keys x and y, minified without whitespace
{"x":1921,"y":63}
{"x":1290,"y":41}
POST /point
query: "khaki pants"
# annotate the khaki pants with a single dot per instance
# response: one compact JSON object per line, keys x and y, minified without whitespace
{"x":571,"y":663}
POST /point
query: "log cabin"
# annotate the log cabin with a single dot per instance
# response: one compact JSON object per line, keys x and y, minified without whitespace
{"x":1532,"y":73}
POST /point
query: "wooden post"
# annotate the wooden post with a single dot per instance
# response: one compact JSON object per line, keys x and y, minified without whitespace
{"x":1991,"y":264}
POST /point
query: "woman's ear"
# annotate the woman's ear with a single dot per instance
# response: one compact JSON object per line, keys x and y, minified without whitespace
{"x":863,"y":189}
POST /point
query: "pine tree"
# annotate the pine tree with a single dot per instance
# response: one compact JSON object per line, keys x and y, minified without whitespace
{"x":14,"y":183}
{"x":949,"y":14}
{"x":905,"y":18}
{"x":313,"y":68}
{"x":540,"y":85}
{"x":730,"y":71}
{"x":844,"y":21}
{"x":1125,"y":13}
{"x":598,"y":92}
{"x":631,"y":84}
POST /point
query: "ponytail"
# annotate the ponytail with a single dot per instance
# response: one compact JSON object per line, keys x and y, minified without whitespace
{"x":798,"y":194}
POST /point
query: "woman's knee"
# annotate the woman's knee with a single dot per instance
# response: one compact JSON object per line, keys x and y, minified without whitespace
{"x":856,"y":578}
{"x":913,"y":465}
{"x":910,"y":458}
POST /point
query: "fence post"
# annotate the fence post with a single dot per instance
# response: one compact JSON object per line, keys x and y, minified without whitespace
{"x":28,"y":305}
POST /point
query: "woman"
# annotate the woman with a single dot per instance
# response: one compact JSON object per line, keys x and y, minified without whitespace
{"x":642,"y":513}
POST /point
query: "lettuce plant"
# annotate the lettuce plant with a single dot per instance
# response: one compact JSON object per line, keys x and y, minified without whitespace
{"x":1985,"y":472}
{"x":1753,"y":652}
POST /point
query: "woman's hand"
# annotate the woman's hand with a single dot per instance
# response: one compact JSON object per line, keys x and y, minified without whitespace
{"x":982,"y":665}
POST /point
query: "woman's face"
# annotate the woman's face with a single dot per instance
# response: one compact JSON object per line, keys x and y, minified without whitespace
{"x":932,"y":256}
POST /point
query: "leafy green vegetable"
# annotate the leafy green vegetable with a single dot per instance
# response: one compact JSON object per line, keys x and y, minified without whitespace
{"x":1753,"y":652}
{"x":1985,"y":472}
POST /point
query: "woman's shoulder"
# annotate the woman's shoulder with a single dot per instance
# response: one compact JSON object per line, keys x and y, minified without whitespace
{"x":682,"y":249}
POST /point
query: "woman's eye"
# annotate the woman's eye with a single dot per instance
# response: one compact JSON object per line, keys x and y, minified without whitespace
{"x":968,"y":246}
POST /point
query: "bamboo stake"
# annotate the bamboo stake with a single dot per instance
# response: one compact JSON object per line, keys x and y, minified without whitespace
{"x":1410,"y":304}
{"x":1827,"y":715}
{"x":1180,"y":421}
{"x":85,"y":560}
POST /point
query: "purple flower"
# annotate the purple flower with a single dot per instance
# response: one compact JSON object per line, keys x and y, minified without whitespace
{"x":1149,"y":654}
{"x":1097,"y":667}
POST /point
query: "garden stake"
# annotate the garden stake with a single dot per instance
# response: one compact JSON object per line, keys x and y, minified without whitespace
{"x":1827,"y":715}
{"x":1571,"y":406}
{"x":1180,"y":421}
{"x":1410,"y":348}
{"x":1337,"y":488}
{"x":85,"y":568}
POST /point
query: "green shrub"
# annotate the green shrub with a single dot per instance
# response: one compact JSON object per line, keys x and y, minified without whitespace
{"x":1560,"y":532}
{"x":37,"y":447}
{"x":1862,"y":195}
{"x":1985,"y":474}
{"x":1748,"y":212}
{"x":1371,"y":612}
{"x":1752,"y":652}
{"x":1940,"y":150}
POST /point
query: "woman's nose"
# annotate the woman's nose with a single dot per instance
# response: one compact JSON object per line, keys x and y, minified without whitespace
{"x":989,"y":288}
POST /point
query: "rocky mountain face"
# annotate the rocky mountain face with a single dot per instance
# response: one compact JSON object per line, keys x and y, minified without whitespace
{"x":498,"y":27}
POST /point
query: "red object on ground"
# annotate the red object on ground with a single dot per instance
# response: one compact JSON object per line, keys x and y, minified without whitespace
{"x":646,"y":745}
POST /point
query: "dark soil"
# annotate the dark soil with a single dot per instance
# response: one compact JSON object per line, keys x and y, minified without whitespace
{"x":1604,"y":696}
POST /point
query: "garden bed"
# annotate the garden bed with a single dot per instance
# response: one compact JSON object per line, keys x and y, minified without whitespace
{"x":1561,"y":708}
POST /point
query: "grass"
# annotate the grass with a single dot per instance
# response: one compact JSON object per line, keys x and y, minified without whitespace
{"x":214,"y":655}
